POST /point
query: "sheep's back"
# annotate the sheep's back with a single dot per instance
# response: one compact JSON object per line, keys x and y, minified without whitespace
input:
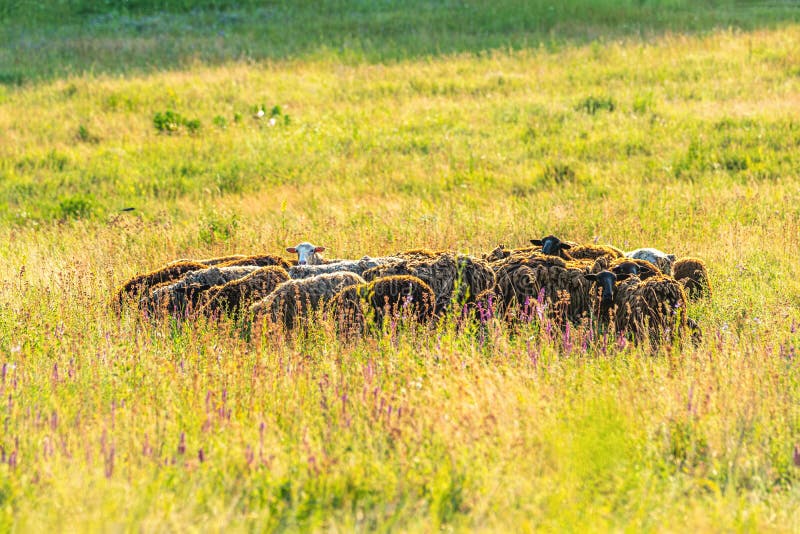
{"x":692,"y":273}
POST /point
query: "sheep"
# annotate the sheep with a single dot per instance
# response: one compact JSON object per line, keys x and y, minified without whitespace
{"x":184,"y":294}
{"x":500,"y":254}
{"x":210,"y":262}
{"x":476,"y":277}
{"x":143,"y":282}
{"x":353,"y":266}
{"x":559,"y":282}
{"x":260,"y":260}
{"x":441,"y":273}
{"x":648,"y":309}
{"x":307,"y":254}
{"x":662,"y":260}
{"x":693,"y":275}
{"x":242,"y":292}
{"x":419,"y":254}
{"x":641,"y":268}
{"x":293,"y":300}
{"x":398,"y":296}
{"x":553,"y":246}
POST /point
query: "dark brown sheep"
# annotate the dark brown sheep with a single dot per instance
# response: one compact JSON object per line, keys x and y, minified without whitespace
{"x":653,"y":309}
{"x":181,"y":297}
{"x":141,"y":283}
{"x":641,"y":268}
{"x":553,"y":246}
{"x":293,"y":301}
{"x":400,"y":296}
{"x":260,"y":260}
{"x":692,"y":273}
{"x":452,"y":277}
{"x":560,"y":284}
{"x":240,"y":293}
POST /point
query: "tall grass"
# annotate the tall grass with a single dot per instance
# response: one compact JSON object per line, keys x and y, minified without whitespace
{"x":683,"y":141}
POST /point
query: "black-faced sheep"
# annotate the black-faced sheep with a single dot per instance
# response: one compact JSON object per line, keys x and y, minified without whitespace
{"x":292,"y":301}
{"x":307,"y":254}
{"x":144,"y":282}
{"x":660,"y":259}
{"x":403,"y":297}
{"x":553,"y":246}
{"x":641,"y":268}
{"x":652,"y":309}
{"x":240,"y":293}
{"x":183,"y":295}
{"x":452,"y":277}
{"x":693,"y":274}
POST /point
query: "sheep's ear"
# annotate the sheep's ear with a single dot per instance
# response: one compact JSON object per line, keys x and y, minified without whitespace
{"x":319,"y":249}
{"x":590,"y":276}
{"x":537,"y":242}
{"x":291,"y":249}
{"x":564,"y":246}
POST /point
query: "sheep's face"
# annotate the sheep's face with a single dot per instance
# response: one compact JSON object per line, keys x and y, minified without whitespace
{"x":627,"y":267}
{"x":306,"y":253}
{"x":551,"y":245}
{"x":606,"y":281}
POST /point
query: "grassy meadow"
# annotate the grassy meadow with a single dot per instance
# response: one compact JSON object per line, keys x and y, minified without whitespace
{"x":389,"y":126}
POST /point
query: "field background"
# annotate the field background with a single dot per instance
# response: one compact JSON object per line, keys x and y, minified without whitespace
{"x":451,"y":124}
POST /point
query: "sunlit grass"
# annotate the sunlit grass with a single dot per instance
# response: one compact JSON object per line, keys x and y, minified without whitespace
{"x":686,"y":142}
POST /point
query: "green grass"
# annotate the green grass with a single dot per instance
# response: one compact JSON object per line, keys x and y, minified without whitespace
{"x":396,"y":125}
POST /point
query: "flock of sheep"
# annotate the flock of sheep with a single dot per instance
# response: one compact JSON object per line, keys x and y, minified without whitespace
{"x":642,"y":293}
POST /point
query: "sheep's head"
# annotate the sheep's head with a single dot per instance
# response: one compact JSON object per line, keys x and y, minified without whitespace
{"x":307,"y":253}
{"x":551,"y":245}
{"x":606,"y":281}
{"x":626,"y":267}
{"x":635,"y":269}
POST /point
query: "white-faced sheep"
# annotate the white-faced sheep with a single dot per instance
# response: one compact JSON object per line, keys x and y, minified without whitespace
{"x":402,"y":297}
{"x":660,"y":259}
{"x":553,"y":246}
{"x":144,"y":282}
{"x":652,"y":309}
{"x":693,"y":274}
{"x":183,"y":295}
{"x":292,"y":301}
{"x":307,"y":254}
{"x":452,"y":277}
{"x":240,"y":293}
